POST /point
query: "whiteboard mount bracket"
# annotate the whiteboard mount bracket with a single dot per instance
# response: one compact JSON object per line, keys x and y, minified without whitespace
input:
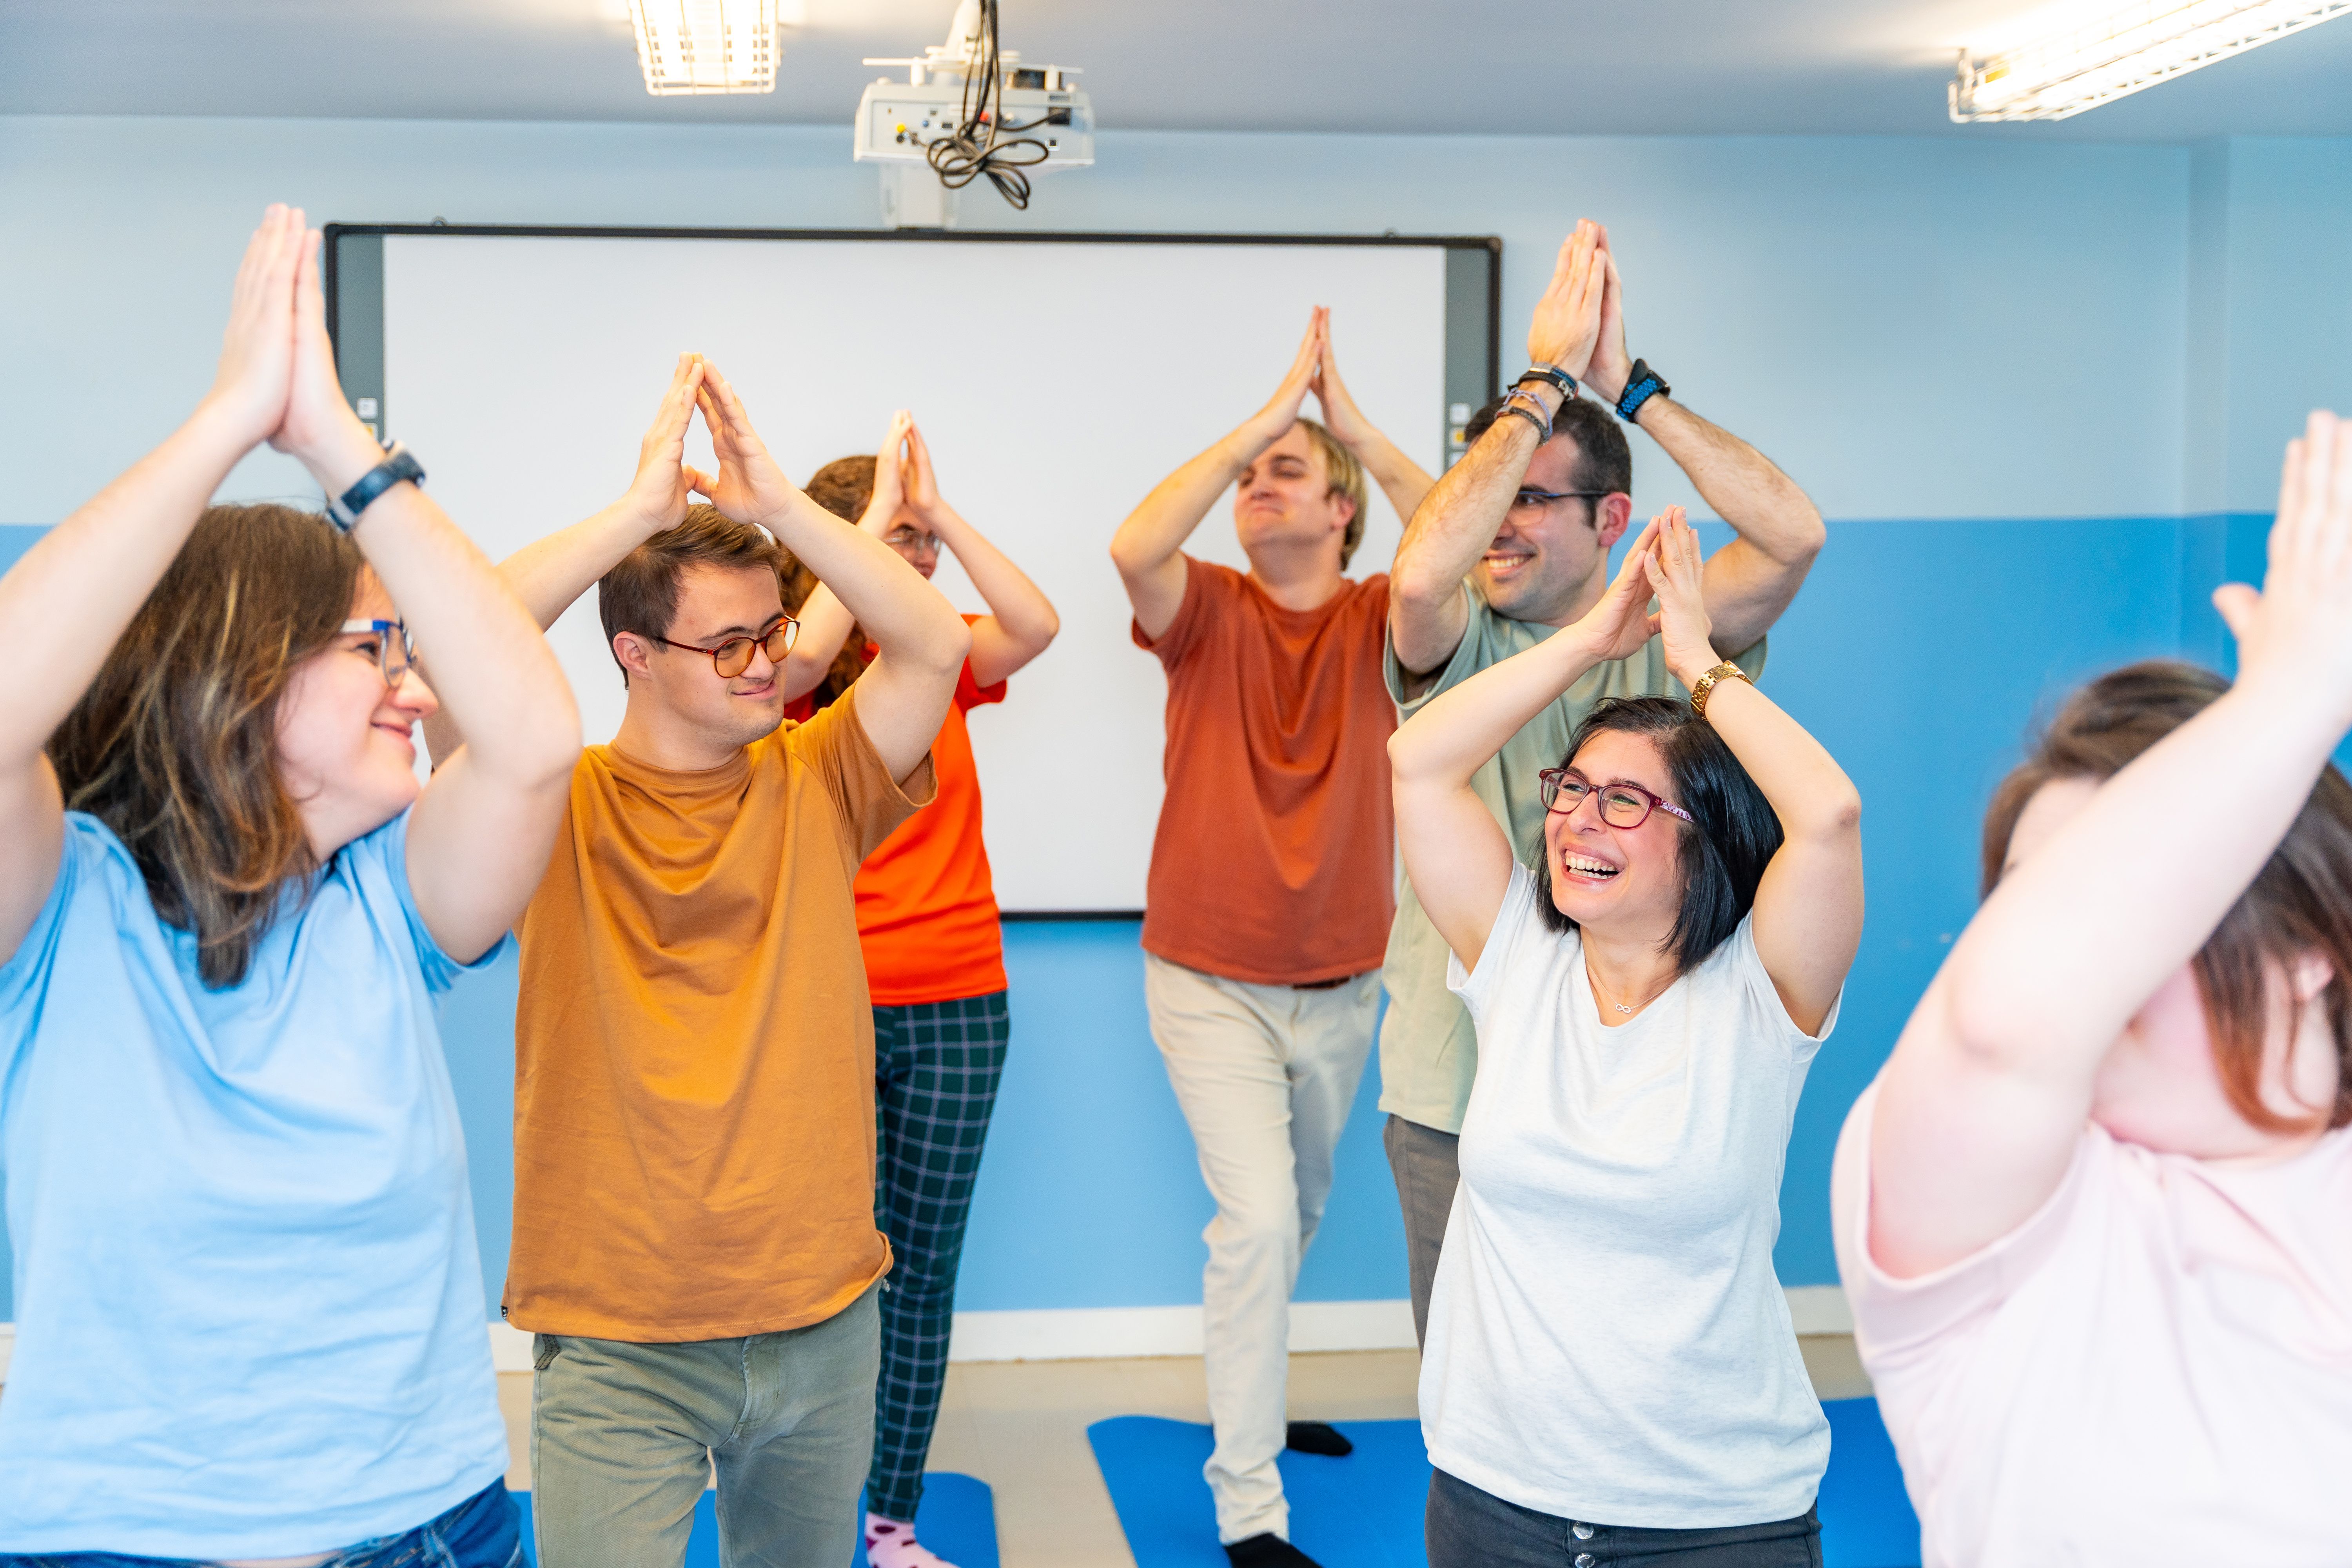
{"x":912,"y":198}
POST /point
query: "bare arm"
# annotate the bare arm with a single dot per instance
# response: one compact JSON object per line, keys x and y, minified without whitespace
{"x":66,"y":603}
{"x":1459,"y":857}
{"x":922,"y":640}
{"x":1982,"y":1105}
{"x":1021,"y":623}
{"x":1751,"y":580}
{"x":550,"y":575}
{"x":1457,"y":524}
{"x":1809,"y":906}
{"x":1401,"y":479}
{"x":825,"y":621}
{"x":1149,"y":547}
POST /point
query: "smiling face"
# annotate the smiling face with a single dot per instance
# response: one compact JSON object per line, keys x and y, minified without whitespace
{"x":346,"y":742}
{"x":1286,"y":501}
{"x":714,"y":603}
{"x":1546,"y":557}
{"x":1618,"y":881}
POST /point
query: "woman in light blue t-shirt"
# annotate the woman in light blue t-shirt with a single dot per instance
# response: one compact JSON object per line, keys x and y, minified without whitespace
{"x":1610,"y":1371}
{"x":249,"y":1310}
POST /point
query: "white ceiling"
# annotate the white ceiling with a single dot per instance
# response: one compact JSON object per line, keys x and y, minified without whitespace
{"x":1508,"y":67}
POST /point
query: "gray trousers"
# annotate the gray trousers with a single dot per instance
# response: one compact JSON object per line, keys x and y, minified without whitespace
{"x":624,"y":1438}
{"x":1427,"y":1166}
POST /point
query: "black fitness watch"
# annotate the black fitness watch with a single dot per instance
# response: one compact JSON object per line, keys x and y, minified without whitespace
{"x":343,"y":511}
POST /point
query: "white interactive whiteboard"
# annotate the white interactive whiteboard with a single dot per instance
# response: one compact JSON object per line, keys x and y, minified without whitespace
{"x":1056,"y":378}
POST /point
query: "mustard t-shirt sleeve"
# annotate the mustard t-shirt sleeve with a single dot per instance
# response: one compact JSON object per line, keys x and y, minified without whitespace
{"x":867,"y":802}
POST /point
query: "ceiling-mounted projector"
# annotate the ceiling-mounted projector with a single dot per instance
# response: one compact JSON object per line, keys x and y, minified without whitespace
{"x":968,"y":109}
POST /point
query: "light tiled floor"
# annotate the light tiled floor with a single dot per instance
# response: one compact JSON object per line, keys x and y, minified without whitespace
{"x":1021,"y":1427}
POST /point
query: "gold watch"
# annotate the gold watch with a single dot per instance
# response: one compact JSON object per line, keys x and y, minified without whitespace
{"x":1726,"y":670}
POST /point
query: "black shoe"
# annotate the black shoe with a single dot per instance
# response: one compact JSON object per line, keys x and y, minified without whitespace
{"x":1317,"y":1437}
{"x":1268,"y":1551}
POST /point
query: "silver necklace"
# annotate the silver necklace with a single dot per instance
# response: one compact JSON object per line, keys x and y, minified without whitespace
{"x":1594,"y":981}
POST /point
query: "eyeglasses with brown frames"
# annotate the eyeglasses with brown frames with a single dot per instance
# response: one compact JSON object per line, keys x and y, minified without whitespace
{"x":733,"y":656}
{"x":1622,"y":805}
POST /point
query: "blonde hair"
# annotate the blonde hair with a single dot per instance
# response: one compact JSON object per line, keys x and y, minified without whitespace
{"x":1347,"y":478}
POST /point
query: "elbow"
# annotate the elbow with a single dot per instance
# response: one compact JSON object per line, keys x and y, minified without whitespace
{"x":1832,"y":816}
{"x":1417,"y":592}
{"x":953,"y":642}
{"x":1124,"y":556}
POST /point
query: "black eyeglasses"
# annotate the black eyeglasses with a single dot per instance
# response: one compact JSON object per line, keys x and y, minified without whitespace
{"x":394,"y":650}
{"x":733,"y":656}
{"x":1622,"y":805}
{"x":1545,"y":498}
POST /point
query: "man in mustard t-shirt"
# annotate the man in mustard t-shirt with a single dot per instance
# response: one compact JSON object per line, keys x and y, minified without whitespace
{"x":694,"y":1240}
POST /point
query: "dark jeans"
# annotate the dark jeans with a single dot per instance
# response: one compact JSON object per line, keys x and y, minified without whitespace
{"x":483,"y":1531}
{"x":1472,"y":1529}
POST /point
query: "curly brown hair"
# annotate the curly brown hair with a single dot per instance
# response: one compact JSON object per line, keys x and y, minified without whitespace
{"x":2301,"y":900}
{"x":174,"y":745}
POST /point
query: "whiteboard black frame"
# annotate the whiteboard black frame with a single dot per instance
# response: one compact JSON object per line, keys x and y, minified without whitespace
{"x":360,"y":364}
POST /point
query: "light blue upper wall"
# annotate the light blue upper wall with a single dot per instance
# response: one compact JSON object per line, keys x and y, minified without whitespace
{"x":1916,"y":329}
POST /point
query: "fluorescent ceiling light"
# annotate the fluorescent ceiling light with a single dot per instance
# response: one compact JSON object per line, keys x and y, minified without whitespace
{"x":2137,"y":48}
{"x":708,"y":46}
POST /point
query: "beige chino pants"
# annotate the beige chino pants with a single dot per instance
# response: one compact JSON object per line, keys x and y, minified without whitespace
{"x":1265,"y":1074}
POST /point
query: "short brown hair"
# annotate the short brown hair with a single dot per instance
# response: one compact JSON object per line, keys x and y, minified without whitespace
{"x":640,"y":594}
{"x":2301,"y":900}
{"x":1347,"y":478}
{"x":174,"y":745}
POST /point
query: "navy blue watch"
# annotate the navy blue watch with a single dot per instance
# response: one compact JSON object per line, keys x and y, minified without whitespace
{"x":1641,"y":384}
{"x":343,"y":511}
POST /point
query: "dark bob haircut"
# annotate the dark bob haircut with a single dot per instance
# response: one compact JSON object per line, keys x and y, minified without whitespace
{"x":1732,"y":838}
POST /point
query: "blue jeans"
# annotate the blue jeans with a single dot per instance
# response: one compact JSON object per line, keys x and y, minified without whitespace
{"x":483,"y":1531}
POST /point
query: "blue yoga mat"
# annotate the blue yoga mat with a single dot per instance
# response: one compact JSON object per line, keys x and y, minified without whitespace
{"x":957,"y":1519}
{"x":1365,"y":1511}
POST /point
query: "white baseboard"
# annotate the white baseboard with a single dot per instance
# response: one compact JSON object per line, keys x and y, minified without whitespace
{"x":1087,"y":1333}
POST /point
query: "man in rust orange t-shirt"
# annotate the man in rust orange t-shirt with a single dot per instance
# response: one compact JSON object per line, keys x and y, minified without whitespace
{"x":694,"y":1239}
{"x":1271,"y":875}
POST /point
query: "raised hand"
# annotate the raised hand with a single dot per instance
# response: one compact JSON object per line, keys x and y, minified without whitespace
{"x":1566,"y":322}
{"x":1676,"y":574}
{"x":750,"y":487}
{"x":1620,"y":622}
{"x":1341,"y":415}
{"x":664,"y":484}
{"x":1281,"y":411}
{"x":319,"y":427}
{"x":256,"y":363}
{"x":1610,"y":366}
{"x":922,"y":486}
{"x":890,"y":491}
{"x":2297,"y":631}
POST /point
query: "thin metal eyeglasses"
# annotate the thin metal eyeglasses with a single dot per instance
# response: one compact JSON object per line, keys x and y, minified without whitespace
{"x":1622,"y":805}
{"x":1545,"y":498}
{"x":394,"y":653}
{"x":733,"y":656}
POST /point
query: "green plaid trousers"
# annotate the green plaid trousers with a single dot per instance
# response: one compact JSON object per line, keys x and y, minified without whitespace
{"x":935,"y":1068}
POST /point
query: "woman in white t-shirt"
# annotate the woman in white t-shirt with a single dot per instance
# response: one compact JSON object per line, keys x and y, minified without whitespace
{"x":2095,"y":1213}
{"x":1611,"y":1373}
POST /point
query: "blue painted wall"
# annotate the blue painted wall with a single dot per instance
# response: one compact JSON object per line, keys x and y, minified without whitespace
{"x":2098,"y":350}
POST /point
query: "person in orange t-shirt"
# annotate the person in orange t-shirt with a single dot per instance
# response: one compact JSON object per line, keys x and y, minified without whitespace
{"x":694,"y":1242}
{"x":1271,"y":888}
{"x":934,"y":957}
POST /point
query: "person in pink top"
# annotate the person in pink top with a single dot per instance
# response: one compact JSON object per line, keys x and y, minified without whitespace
{"x":2095,"y":1214}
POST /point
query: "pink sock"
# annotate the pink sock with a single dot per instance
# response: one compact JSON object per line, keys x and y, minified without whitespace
{"x":890,"y":1545}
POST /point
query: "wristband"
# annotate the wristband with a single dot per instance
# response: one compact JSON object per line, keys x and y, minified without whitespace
{"x":343,"y":511}
{"x":1641,"y":384}
{"x":1726,"y":670}
{"x":1558,"y":378}
{"x":1533,"y":412}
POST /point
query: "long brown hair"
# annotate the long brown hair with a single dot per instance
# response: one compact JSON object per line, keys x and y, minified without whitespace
{"x":174,"y":745}
{"x":2301,"y":900}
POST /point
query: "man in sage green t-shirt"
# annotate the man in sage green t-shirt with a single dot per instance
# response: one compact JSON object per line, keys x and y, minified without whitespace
{"x":1511,"y":545}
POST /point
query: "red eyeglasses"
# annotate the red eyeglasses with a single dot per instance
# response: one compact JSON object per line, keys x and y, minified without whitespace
{"x":1622,"y":805}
